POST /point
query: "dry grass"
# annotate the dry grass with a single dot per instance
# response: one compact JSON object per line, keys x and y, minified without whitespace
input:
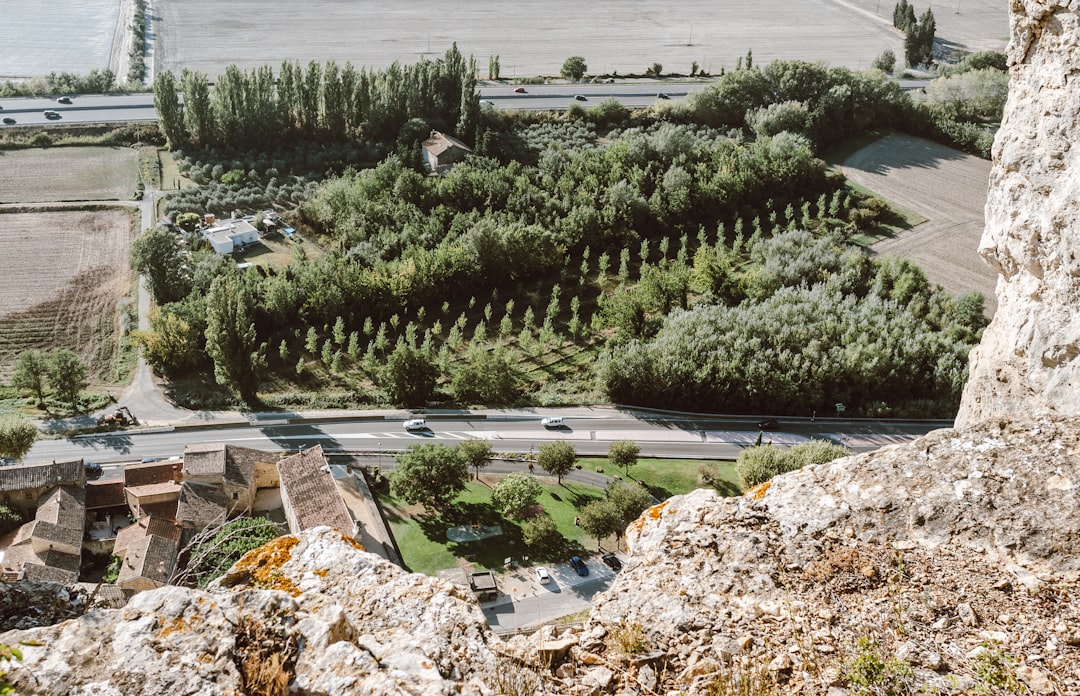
{"x":68,"y":174}
{"x":77,"y":36}
{"x":65,"y":275}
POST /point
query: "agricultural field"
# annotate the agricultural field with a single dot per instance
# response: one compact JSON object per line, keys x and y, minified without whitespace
{"x":65,"y":284}
{"x":945,"y":186}
{"x":532,"y":37}
{"x":68,"y":174}
{"x":76,"y":36}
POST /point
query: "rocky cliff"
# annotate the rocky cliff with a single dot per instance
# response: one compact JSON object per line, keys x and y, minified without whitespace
{"x":1029,"y":358}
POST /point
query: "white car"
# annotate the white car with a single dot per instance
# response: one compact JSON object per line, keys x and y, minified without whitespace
{"x":416,"y":424}
{"x":552,"y":422}
{"x":543,"y":575}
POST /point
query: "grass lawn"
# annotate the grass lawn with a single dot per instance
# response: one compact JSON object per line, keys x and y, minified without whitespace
{"x":421,"y":536}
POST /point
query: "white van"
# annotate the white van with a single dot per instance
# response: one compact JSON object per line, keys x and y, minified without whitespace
{"x":416,"y":424}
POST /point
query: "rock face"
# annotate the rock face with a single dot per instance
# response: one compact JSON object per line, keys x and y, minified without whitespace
{"x":1029,"y":358}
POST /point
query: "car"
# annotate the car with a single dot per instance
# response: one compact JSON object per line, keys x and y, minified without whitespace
{"x":520,"y":90}
{"x":52,"y":115}
{"x":579,"y":566}
{"x":581,"y":97}
{"x":416,"y":424}
{"x":768,"y":424}
{"x":93,"y":469}
{"x":543,"y":575}
{"x":612,"y":561}
{"x":552,"y":422}
{"x":63,"y":100}
{"x":150,"y":460}
{"x":662,"y":95}
{"x":8,"y":121}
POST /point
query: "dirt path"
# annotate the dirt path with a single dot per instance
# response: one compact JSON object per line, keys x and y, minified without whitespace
{"x":947,"y":187}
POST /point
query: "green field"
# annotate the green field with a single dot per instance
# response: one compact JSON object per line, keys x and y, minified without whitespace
{"x":42,"y":175}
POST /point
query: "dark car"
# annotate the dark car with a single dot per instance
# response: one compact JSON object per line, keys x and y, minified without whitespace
{"x":520,"y":90}
{"x":768,"y":424}
{"x":579,"y":566}
{"x":8,"y":121}
{"x":63,"y":100}
{"x":93,"y":469}
{"x":581,"y":97}
{"x":612,"y":561}
{"x":52,"y":115}
{"x":662,"y":95}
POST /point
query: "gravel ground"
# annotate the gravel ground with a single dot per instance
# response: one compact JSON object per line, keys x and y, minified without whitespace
{"x":947,"y":187}
{"x":532,"y":37}
{"x":45,"y":36}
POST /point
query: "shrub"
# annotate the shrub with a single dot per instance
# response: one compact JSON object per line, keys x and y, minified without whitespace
{"x":756,"y":465}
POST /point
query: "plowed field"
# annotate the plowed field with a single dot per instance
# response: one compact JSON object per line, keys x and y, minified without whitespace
{"x":68,"y":174}
{"x":65,"y":273}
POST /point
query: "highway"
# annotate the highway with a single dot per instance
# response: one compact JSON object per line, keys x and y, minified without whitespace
{"x":590,"y":431}
{"x":119,"y":108}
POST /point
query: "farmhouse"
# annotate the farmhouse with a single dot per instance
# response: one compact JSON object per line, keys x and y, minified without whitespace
{"x":310,"y":496}
{"x":229,"y":235}
{"x":441,"y":152}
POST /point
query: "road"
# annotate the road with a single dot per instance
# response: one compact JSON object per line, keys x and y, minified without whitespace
{"x":115,"y":108}
{"x":590,"y":430}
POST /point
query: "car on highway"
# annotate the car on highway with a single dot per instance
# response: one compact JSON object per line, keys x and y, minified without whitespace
{"x":93,"y":469}
{"x":768,"y":424}
{"x":553,"y":422}
{"x":8,"y":121}
{"x":581,"y":97}
{"x":416,"y":424}
{"x":543,"y":575}
{"x":51,"y":115}
{"x":612,"y":561}
{"x":520,"y":90}
{"x":662,"y":95}
{"x":63,"y":100}
{"x":579,"y":566}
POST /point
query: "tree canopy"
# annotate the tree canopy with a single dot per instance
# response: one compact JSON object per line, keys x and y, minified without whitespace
{"x":478,"y":453}
{"x":209,"y":559}
{"x":17,"y":436}
{"x":624,"y":453}
{"x":430,"y":475}
{"x":515,"y":493}
{"x":556,"y":458}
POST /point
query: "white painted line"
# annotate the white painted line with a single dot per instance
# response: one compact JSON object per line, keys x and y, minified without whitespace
{"x":747,"y":438}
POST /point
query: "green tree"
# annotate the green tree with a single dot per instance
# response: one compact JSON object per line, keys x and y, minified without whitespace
{"x":231,"y":339}
{"x":515,"y":493}
{"x":601,"y":519}
{"x":68,"y":376}
{"x":624,"y":453}
{"x":630,"y":501}
{"x":486,"y":377}
{"x":210,"y":558}
{"x":556,"y":458}
{"x":478,"y":453}
{"x":169,"y":110}
{"x":430,"y":475}
{"x":885,"y":62}
{"x":156,"y":255}
{"x":493,"y":67}
{"x":30,"y":373}
{"x":573,"y":68}
{"x":409,"y":376}
{"x":541,"y":533}
{"x":10,"y":518}
{"x":172,"y":344}
{"x":17,"y":436}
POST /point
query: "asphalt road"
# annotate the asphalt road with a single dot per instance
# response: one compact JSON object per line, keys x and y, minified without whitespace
{"x":658,"y":436}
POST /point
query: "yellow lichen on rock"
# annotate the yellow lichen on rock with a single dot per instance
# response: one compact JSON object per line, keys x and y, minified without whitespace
{"x":262,"y":566}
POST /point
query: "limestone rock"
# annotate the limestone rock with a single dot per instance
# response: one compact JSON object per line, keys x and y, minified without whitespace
{"x":1029,"y":358}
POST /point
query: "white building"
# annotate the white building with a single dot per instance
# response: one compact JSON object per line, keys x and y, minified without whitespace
{"x":230,"y":235}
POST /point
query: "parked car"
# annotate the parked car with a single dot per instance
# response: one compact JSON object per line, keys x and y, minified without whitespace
{"x":581,"y":97}
{"x":768,"y":424}
{"x":552,"y":422}
{"x":52,"y":115}
{"x":543,"y":575}
{"x":612,"y":561}
{"x":63,"y":100}
{"x":579,"y":566}
{"x":520,"y":90}
{"x":8,"y":121}
{"x":416,"y":424}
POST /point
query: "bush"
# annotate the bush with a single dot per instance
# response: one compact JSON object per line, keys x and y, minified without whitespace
{"x":756,"y":465}
{"x":9,"y":519}
{"x":885,"y":62}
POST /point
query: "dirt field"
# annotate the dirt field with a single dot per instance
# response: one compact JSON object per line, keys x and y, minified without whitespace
{"x":532,"y":37}
{"x":64,"y":275}
{"x":68,"y":174}
{"x":979,"y":25}
{"x":946,"y":186}
{"x":77,"y":36}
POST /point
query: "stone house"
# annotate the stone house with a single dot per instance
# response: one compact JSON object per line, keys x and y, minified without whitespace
{"x":310,"y":496}
{"x":49,"y":547}
{"x":148,"y":563}
{"x":441,"y":152}
{"x":22,"y":485}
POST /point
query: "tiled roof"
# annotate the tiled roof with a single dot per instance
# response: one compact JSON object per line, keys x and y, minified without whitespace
{"x":201,"y":505}
{"x":105,"y":595}
{"x":44,"y":573}
{"x":151,"y":473}
{"x":154,"y":489}
{"x":150,"y":557}
{"x":21,"y":477}
{"x":240,"y":464}
{"x":64,"y":506}
{"x":147,"y":525}
{"x":312,"y":494}
{"x":104,"y":494}
{"x":204,"y":459}
{"x":439,"y":143}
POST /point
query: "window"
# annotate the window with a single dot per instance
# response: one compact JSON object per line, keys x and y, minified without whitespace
{"x":235,"y":496}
